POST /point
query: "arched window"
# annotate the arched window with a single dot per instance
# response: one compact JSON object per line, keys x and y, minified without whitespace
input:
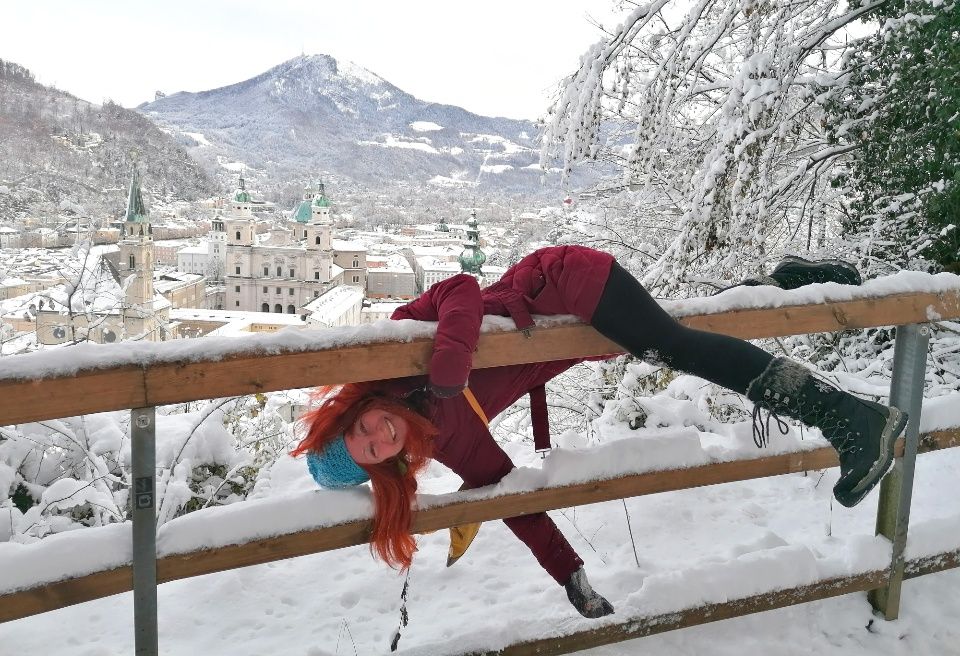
{"x":278,"y":308}
{"x":265,"y":307}
{"x":238,"y":235}
{"x":291,"y":309}
{"x":318,"y":239}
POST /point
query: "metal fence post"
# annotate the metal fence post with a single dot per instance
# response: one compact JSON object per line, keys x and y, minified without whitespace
{"x":896,"y":490}
{"x":144,"y":456}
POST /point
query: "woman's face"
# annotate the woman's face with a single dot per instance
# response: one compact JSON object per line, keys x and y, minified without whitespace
{"x":375,"y":436}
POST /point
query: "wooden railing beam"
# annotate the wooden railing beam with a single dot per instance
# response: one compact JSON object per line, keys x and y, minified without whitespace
{"x":170,"y":568}
{"x":639,"y":627}
{"x":163,"y":383}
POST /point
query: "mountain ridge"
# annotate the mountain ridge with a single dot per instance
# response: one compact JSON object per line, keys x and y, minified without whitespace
{"x":314,"y":113}
{"x":63,"y":155}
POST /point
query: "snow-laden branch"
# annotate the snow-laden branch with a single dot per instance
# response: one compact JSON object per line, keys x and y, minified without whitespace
{"x":721,"y":115}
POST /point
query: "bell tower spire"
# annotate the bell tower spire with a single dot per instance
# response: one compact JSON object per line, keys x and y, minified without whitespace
{"x":472,"y":258}
{"x":136,"y":267}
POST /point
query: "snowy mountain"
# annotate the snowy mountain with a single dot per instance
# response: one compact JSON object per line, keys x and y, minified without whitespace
{"x":316,"y":115}
{"x":60,"y":154}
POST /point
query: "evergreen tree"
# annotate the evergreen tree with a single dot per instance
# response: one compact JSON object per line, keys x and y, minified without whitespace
{"x":902,"y":113}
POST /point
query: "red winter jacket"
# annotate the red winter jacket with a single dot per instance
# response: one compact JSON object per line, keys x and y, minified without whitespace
{"x":555,"y":280}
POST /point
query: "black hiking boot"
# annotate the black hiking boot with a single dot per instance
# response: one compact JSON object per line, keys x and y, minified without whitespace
{"x":862,"y":432}
{"x":792,"y":272}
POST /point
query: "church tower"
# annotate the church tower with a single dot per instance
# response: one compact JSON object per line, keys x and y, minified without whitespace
{"x":319,"y":240}
{"x":320,"y":226}
{"x":239,"y":221}
{"x":472,"y":258}
{"x":136,"y":268}
{"x":217,"y":248}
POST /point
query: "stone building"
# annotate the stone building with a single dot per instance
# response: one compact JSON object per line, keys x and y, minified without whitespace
{"x":265,"y":277}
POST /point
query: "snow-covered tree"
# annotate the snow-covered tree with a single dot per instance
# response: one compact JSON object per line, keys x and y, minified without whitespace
{"x":711,"y":112}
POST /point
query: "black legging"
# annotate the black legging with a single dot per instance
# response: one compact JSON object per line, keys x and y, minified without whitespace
{"x":629,"y":316}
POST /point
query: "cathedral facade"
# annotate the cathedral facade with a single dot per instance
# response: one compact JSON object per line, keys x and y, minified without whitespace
{"x":283,"y":274}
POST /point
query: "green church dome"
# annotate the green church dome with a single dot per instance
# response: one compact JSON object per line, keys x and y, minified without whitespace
{"x":302,"y":214}
{"x":241,"y":195}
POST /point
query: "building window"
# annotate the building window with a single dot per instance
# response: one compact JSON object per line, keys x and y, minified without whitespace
{"x":278,"y":290}
{"x":265,"y":307}
{"x":237,"y":303}
{"x":318,"y":239}
{"x":316,"y":294}
{"x":304,"y":234}
{"x":236,"y":288}
{"x":293,"y":273}
{"x":356,"y":279}
{"x":291,"y":309}
{"x":238,"y":270}
{"x":279,"y":272}
{"x":238,"y":235}
{"x":278,"y":308}
{"x":265,"y":291}
{"x":266,"y":271}
{"x":291,"y":291}
{"x":356,"y":263}
{"x":316,"y":275}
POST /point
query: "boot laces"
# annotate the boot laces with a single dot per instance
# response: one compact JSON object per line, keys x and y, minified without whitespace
{"x":761,"y":428}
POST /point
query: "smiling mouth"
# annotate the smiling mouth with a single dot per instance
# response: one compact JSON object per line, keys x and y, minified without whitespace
{"x":393,"y":431}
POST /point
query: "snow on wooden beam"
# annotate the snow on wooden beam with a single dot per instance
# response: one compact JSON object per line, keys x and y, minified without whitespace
{"x":162,"y":383}
{"x":639,"y":627}
{"x":169,"y":568}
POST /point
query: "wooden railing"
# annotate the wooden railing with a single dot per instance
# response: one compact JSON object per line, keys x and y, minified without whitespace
{"x":172,"y":377}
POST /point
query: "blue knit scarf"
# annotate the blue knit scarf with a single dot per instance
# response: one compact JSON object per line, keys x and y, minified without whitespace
{"x":334,"y":467}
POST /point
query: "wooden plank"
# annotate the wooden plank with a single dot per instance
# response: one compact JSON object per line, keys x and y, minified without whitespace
{"x":940,"y":562}
{"x":897,"y":309}
{"x":639,"y":627}
{"x":93,"y":586}
{"x":67,"y":396}
{"x":249,"y":374}
{"x":68,"y":592}
{"x":177,"y":382}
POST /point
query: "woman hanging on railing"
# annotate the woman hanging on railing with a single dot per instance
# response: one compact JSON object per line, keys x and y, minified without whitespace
{"x":388,"y":430}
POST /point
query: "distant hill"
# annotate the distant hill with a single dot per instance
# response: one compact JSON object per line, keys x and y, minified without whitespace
{"x":60,"y":154}
{"x":315,"y":115}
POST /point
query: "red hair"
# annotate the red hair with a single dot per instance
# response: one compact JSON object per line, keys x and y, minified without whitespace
{"x":394,"y":481}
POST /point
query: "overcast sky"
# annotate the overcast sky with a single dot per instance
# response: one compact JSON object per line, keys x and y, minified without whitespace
{"x":493,"y":57}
